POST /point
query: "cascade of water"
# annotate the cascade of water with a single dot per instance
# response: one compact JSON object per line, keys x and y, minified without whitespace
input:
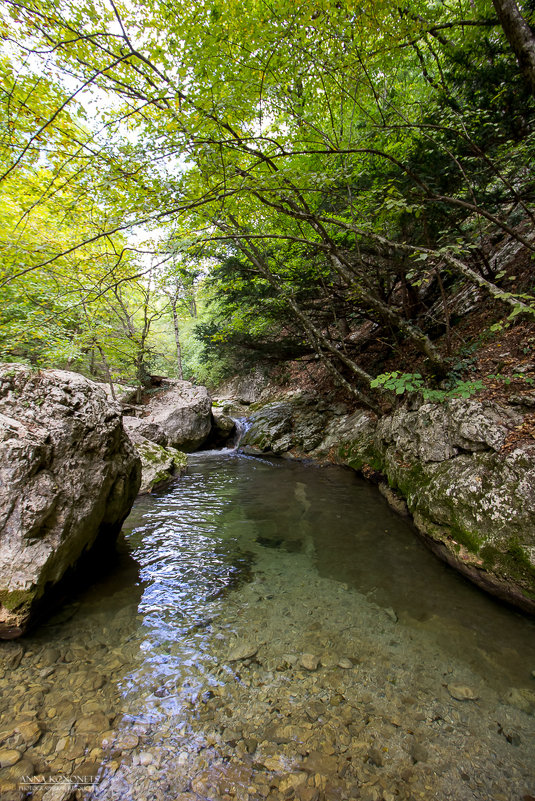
{"x":242,"y":424}
{"x":232,"y":445}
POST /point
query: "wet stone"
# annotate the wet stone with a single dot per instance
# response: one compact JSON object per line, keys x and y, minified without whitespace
{"x":49,"y":656}
{"x":522,"y":699}
{"x":242,"y":651}
{"x":62,"y":792}
{"x":309,"y":661}
{"x":9,"y":757}
{"x":317,"y":762}
{"x":329,"y":660}
{"x":96,"y":722}
{"x":124,"y":741}
{"x":315,"y":709}
{"x":24,"y":767}
{"x":376,"y":757}
{"x":462,"y":693}
{"x":307,"y":793}
{"x":11,"y":654}
{"x":145,"y":758}
{"x":419,"y":753}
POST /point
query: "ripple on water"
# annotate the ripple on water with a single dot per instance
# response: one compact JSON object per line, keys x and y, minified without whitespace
{"x":274,"y":631}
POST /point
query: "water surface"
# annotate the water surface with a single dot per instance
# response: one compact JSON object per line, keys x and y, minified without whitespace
{"x":273,"y":630}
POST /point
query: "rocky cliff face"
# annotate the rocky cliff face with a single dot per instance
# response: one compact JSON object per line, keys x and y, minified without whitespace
{"x":68,"y":478}
{"x":472,"y":496}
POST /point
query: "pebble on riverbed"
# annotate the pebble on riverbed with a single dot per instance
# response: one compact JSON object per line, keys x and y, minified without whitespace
{"x":462,"y":693}
{"x":9,"y":757}
{"x":242,"y":651}
{"x":309,"y":661}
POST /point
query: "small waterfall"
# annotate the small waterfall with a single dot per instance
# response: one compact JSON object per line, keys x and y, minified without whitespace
{"x":242,"y":424}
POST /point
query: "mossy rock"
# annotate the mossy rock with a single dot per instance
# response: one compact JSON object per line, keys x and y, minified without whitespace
{"x":159,"y":465}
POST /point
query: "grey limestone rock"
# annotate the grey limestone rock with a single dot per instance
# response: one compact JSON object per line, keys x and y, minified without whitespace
{"x":472,"y":498}
{"x":246,"y":389}
{"x":299,"y":422}
{"x":146,"y":429}
{"x":68,"y":478}
{"x":184,"y":413}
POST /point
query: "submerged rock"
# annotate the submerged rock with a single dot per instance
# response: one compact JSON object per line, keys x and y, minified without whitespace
{"x":462,"y":693}
{"x":9,"y":757}
{"x":68,"y":478}
{"x":245,"y":650}
{"x":183,"y":412}
{"x":309,"y":661}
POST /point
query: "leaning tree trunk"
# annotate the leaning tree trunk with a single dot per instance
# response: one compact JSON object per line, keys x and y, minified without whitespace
{"x":519,"y":35}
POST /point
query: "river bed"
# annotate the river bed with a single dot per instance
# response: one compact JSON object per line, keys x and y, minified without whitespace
{"x":273,"y":631}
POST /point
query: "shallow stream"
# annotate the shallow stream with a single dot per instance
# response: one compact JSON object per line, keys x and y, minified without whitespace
{"x":273,"y":631}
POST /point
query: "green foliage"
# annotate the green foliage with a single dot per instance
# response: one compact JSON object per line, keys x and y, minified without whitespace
{"x":397,"y":382}
{"x":402,"y":383}
{"x":506,"y":379}
{"x":329,"y":164}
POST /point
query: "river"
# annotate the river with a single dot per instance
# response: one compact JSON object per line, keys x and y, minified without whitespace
{"x":272,"y":630}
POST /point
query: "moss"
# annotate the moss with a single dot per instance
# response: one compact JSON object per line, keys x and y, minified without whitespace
{"x":179,"y":458}
{"x":512,"y":563}
{"x":358,"y":457}
{"x":15,"y":599}
{"x":152,"y":455}
{"x":409,"y":478}
{"x":518,"y":554}
{"x":469,"y":539}
{"x":163,"y":475}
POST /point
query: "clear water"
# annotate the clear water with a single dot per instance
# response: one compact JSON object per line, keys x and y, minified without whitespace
{"x":184,"y":673}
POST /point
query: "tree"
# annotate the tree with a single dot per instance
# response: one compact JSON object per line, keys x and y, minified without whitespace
{"x":519,"y":35}
{"x":363,"y":141}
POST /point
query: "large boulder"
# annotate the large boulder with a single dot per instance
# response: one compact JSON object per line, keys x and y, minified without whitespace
{"x":137,"y":426}
{"x":246,"y":389}
{"x":297,"y":424}
{"x":223,"y":431}
{"x":68,"y":478}
{"x":471,"y":493}
{"x":184,"y":413}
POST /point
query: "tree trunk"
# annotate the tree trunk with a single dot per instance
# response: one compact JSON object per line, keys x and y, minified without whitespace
{"x":177,"y":341}
{"x":107,"y":371}
{"x":520,"y":36}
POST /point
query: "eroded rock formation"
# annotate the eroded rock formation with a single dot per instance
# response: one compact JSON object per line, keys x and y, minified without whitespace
{"x":159,"y":465}
{"x":68,"y":478}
